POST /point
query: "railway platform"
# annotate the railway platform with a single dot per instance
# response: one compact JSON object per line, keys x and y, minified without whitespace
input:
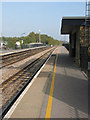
{"x":59,"y":90}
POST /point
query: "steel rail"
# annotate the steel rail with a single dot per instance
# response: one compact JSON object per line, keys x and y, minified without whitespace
{"x":8,"y":106}
{"x":16,"y":57}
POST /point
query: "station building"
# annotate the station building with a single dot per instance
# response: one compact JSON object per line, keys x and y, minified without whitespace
{"x":79,"y":40}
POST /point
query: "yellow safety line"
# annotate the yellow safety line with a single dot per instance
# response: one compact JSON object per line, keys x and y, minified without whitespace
{"x":49,"y":105}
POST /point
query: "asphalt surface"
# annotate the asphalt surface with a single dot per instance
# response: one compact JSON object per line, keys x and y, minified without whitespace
{"x":70,"y":94}
{"x":6,"y":51}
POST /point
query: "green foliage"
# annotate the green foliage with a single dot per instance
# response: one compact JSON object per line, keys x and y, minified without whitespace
{"x":37,"y":37}
{"x":31,"y":38}
{"x":11,"y":42}
{"x":49,"y":40}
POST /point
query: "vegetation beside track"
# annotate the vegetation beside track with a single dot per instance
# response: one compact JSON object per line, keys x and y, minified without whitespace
{"x":31,"y":38}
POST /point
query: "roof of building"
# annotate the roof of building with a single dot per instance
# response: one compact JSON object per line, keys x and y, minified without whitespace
{"x":74,"y":17}
{"x":71,"y":24}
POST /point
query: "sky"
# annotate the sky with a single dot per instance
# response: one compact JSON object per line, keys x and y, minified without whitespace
{"x":25,"y":17}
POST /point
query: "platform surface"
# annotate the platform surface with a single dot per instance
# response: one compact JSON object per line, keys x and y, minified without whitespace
{"x":70,"y":91}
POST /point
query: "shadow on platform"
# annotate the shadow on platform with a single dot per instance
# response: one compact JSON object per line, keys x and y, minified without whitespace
{"x":71,"y":90}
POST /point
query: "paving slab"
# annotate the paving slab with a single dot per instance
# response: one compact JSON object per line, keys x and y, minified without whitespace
{"x":31,"y":104}
{"x":70,"y":96}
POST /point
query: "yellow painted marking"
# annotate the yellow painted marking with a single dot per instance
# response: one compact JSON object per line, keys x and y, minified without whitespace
{"x":49,"y":105}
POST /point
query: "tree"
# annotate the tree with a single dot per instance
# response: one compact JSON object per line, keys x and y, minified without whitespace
{"x":31,"y":38}
{"x":32,"y":35}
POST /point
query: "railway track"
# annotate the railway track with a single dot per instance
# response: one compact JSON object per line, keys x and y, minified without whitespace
{"x":13,"y":86}
{"x":17,"y":56}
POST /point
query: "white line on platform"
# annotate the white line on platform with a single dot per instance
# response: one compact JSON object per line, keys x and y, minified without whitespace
{"x":85,"y":75}
{"x":9,"y":113}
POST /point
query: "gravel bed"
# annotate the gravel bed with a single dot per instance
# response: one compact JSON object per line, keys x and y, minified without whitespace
{"x":12,"y":69}
{"x":15,"y":84}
